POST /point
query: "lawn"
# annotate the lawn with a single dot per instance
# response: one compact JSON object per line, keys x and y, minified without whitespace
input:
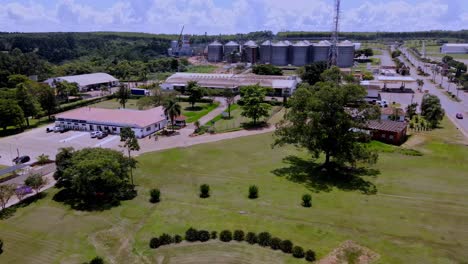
{"x":201,"y":109}
{"x":419,"y":214}
{"x":434,"y":50}
{"x":201,"y":68}
{"x":114,"y":104}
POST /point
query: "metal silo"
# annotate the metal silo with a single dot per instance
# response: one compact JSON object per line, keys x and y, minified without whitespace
{"x":250,"y":50}
{"x":215,"y":52}
{"x":265,"y":52}
{"x":229,"y":48}
{"x":321,"y":51}
{"x":279,"y":53}
{"x":345,"y":54}
{"x":300,"y":53}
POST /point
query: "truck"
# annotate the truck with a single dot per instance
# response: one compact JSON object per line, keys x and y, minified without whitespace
{"x":139,"y":92}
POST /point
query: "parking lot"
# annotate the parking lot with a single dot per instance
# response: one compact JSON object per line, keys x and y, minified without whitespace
{"x":37,"y":141}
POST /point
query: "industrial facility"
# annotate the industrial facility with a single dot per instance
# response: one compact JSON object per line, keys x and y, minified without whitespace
{"x":454,"y":48}
{"x":86,"y":82}
{"x":282,"y":53}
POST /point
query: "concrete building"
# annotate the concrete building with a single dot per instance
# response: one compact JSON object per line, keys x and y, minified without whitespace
{"x":454,"y":48}
{"x":86,"y":82}
{"x":282,"y":85}
{"x":143,"y":123}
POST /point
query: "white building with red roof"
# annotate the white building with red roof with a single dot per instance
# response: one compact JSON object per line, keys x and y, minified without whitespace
{"x":142,"y":122}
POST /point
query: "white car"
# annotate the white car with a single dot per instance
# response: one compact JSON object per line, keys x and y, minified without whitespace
{"x":95,"y":134}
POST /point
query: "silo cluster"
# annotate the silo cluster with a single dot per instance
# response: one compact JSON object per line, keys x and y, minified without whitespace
{"x":215,"y":52}
{"x":250,"y":51}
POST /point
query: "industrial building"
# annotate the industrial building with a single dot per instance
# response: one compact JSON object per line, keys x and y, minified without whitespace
{"x":283,"y":53}
{"x":181,"y":49}
{"x":454,"y":48}
{"x":282,"y":85}
{"x":143,"y":123}
{"x":86,"y":82}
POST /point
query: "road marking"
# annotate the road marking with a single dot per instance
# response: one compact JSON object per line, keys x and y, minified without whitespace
{"x":105,"y":141}
{"x":73,"y":137}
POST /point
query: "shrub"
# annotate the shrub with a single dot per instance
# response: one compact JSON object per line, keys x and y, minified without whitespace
{"x":306,"y":200}
{"x":42,"y":159}
{"x":275,"y":243}
{"x":253,"y":192}
{"x":155,"y":195}
{"x":97,"y":260}
{"x":191,"y":235}
{"x":286,"y":246}
{"x":203,"y":235}
{"x":298,"y":252}
{"x":264,"y":239}
{"x":177,"y":238}
{"x":214,"y":235}
{"x":310,"y":255}
{"x":154,"y":242}
{"x":225,"y":236}
{"x":251,"y":238}
{"x":204,"y":191}
{"x":239,"y":235}
{"x":165,"y":239}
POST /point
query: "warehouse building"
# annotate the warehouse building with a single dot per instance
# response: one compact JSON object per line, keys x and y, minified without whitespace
{"x":143,"y":123}
{"x":454,"y":48}
{"x":282,"y":85}
{"x":86,"y":82}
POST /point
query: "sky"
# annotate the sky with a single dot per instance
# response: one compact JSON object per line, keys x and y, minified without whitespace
{"x":228,"y":16}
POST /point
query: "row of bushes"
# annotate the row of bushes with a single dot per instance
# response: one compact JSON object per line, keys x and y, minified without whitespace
{"x":155,"y":194}
{"x":263,"y":239}
{"x":81,"y":103}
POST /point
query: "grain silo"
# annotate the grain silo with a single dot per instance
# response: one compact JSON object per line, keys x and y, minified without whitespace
{"x":345,"y":54}
{"x":321,"y":51}
{"x":265,"y":52}
{"x":229,"y":48}
{"x":300,"y":53}
{"x":280,"y":53}
{"x":251,"y":51}
{"x":215,"y":52}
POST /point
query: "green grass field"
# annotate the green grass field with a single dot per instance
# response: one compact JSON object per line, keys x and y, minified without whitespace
{"x":432,"y":49}
{"x":201,"y":110}
{"x":201,"y":68}
{"x":419,"y":214}
{"x":114,"y":104}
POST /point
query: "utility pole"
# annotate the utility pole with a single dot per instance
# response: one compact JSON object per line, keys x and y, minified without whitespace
{"x":333,"y":56}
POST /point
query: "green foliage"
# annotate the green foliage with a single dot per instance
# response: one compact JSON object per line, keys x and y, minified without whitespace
{"x":42,"y":159}
{"x":251,"y":238}
{"x":155,"y":195}
{"x":366,"y":52}
{"x":432,"y":110}
{"x":127,"y":135}
{"x":266,"y":69}
{"x":27,"y":102}
{"x":195,"y":92}
{"x":239,"y":235}
{"x":286,"y":246}
{"x":36,"y":182}
{"x":204,"y":191}
{"x":97,"y":260}
{"x":312,"y":72}
{"x":172,"y":109}
{"x":16,"y":62}
{"x":6,"y":192}
{"x":253,"y":98}
{"x":178,"y":239}
{"x":230,"y":100}
{"x":310,"y":255}
{"x":298,"y":252}
{"x":122,"y":95}
{"x":264,"y":239}
{"x":275,"y":243}
{"x":225,"y":236}
{"x":165,"y":239}
{"x":191,"y":235}
{"x":411,"y":110}
{"x":48,"y":101}
{"x":306,"y":200}
{"x":154,"y":242}
{"x":396,"y":53}
{"x":253,"y":192}
{"x":11,"y":113}
{"x":214,"y":235}
{"x":203,"y":235}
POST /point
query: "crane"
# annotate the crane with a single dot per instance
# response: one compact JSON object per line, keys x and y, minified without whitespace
{"x":179,"y":43}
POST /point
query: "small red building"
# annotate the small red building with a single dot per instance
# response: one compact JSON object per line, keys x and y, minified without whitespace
{"x":388,"y":131}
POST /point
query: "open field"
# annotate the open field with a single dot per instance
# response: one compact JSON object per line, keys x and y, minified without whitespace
{"x":114,"y":104}
{"x":200,"y":110}
{"x":433,"y":49}
{"x":202,"y":68}
{"x":419,"y":214}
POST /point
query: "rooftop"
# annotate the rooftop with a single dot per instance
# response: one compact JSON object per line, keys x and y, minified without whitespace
{"x":395,"y":79}
{"x":85,"y":79}
{"x":123,"y":117}
{"x":391,"y":111}
{"x":387,"y":125}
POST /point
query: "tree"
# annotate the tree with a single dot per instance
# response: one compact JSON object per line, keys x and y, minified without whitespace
{"x":195,"y":92}
{"x":94,"y":176}
{"x":411,"y":110}
{"x":254,"y":107}
{"x":27,"y":102}
{"x":131,"y":144}
{"x":11,"y":114}
{"x":331,"y":75}
{"x":420,"y":83}
{"x":36,"y":182}
{"x":230,"y":98}
{"x":432,"y":110}
{"x":312,"y":72}
{"x":65,"y":89}
{"x":48,"y":101}
{"x":368,"y":52}
{"x":172,"y":109}
{"x":6,"y":192}
{"x":122,"y":95}
{"x":319,"y":120}
{"x":266,"y":69}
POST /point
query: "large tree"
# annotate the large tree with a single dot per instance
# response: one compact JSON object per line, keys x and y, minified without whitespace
{"x":122,"y":95}
{"x":254,"y":107}
{"x":6,"y":192}
{"x":172,"y":109}
{"x":131,"y":144}
{"x":326,"y":119}
{"x":27,"y":102}
{"x":95,"y":176}
{"x":11,"y":114}
{"x":48,"y":101}
{"x":195,"y":92}
{"x":266,"y":69}
{"x":432,"y":110}
{"x":36,"y":182}
{"x":65,"y":89}
{"x":230,"y":98}
{"x":312,"y":72}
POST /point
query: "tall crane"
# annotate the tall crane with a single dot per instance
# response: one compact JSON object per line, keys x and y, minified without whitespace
{"x":179,"y":43}
{"x":333,"y":56}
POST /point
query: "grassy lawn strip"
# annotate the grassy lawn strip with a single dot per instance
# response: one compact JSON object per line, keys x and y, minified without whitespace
{"x":114,"y":104}
{"x":201,"y":68}
{"x":201,"y":110}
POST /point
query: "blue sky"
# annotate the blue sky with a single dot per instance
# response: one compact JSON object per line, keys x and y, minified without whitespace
{"x":223,"y":16}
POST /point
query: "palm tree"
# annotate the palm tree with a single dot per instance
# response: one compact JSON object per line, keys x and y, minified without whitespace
{"x":172,"y":109}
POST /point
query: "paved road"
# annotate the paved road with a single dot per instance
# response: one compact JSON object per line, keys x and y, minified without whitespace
{"x":451,"y":107}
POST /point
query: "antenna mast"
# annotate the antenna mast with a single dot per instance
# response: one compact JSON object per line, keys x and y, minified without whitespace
{"x":333,"y":57}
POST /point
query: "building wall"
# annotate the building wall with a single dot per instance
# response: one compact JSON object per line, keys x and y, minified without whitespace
{"x":389,"y":137}
{"x":454,"y":49}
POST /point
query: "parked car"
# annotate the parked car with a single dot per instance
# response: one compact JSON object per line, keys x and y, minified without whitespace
{"x":95,"y":134}
{"x":48,"y":130}
{"x":64,"y":130}
{"x":102,"y":135}
{"x":21,"y":159}
{"x":459,"y":116}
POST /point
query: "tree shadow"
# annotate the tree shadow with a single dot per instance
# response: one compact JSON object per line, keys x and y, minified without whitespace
{"x":195,"y":108}
{"x":319,"y":179}
{"x":10,"y":211}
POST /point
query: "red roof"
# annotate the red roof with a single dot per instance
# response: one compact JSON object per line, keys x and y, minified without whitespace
{"x":387,"y":125}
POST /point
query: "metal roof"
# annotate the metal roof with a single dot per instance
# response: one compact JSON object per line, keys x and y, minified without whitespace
{"x":215,"y":43}
{"x":231,"y":43}
{"x":395,"y":79}
{"x":85,"y":79}
{"x":387,"y":125}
